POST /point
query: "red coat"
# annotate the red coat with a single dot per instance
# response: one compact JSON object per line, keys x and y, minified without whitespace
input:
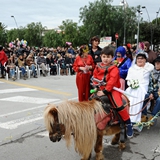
{"x":112,"y":76}
{"x":3,"y":57}
{"x":80,"y":62}
{"x":83,"y":79}
{"x":112,"y":80}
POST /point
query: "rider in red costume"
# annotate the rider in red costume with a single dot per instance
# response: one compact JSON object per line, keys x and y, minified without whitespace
{"x":108,"y":73}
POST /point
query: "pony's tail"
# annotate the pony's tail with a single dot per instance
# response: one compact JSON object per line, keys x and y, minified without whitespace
{"x":49,"y":117}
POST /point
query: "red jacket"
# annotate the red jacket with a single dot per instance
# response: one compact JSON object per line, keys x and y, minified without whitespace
{"x":112,"y":77}
{"x":3,"y":57}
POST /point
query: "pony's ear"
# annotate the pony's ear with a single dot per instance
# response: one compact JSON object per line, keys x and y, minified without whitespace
{"x":54,"y":112}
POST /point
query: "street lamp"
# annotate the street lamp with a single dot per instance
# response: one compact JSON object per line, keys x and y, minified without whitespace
{"x":125,"y":4}
{"x":157,"y":16}
{"x":15,"y":21}
{"x":149,"y":22}
{"x":139,"y":14}
{"x":16,"y":24}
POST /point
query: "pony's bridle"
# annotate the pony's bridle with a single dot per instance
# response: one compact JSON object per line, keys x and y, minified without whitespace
{"x":58,"y":134}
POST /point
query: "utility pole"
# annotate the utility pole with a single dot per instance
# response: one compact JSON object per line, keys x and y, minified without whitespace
{"x":139,"y":14}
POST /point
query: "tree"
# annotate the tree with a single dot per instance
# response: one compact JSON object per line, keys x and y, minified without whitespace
{"x":103,"y":19}
{"x":69,"y":32}
{"x":11,"y":35}
{"x":3,"y":34}
{"x":52,"y":39}
{"x":14,"y":34}
{"x":33,"y":34}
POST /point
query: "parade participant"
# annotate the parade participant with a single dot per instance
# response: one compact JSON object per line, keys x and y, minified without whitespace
{"x":84,"y":66}
{"x":138,"y":80}
{"x":112,"y":78}
{"x":95,"y":50}
{"x":123,"y":63}
{"x":128,"y":51}
{"x":153,"y":92}
{"x":3,"y":60}
{"x":151,"y":54}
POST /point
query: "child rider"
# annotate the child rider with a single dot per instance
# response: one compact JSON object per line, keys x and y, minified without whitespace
{"x":112,"y":79}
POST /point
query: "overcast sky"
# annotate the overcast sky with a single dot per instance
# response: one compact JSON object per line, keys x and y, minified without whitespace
{"x":51,"y":13}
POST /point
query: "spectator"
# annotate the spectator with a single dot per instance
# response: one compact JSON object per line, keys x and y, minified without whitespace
{"x":3,"y":60}
{"x":11,"y":65}
{"x":71,"y":50}
{"x":84,"y":66}
{"x":55,"y":52}
{"x":69,"y":60}
{"x":21,"y":64}
{"x":31,"y":64}
{"x":15,"y":57}
{"x":51,"y":62}
{"x":72,"y":58}
{"x":62,"y":64}
{"x":41,"y":61}
{"x":55,"y":64}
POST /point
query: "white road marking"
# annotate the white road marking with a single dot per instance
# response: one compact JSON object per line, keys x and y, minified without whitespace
{"x":25,"y":99}
{"x":16,"y":90}
{"x":8,"y":114}
{"x":22,"y":121}
{"x":15,"y":123}
{"x":1,"y":82}
{"x":25,"y":110}
{"x":45,"y":134}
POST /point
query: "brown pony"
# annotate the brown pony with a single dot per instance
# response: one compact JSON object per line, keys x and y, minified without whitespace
{"x":78,"y":119}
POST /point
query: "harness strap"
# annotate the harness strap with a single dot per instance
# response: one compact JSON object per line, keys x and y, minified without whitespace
{"x":120,"y":108}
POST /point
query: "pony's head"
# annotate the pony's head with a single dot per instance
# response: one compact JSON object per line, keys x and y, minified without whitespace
{"x":73,"y":118}
{"x":56,"y":129}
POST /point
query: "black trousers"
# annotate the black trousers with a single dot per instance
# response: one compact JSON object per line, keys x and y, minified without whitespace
{"x":2,"y":70}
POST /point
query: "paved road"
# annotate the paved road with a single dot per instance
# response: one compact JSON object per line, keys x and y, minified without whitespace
{"x":22,"y":103}
{"x":22,"y":131}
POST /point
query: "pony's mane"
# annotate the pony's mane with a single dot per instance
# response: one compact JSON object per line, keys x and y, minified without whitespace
{"x":78,"y":117}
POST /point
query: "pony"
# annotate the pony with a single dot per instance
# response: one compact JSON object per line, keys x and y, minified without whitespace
{"x":77,"y":119}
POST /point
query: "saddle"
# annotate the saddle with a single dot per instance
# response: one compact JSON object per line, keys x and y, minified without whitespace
{"x":110,"y":116}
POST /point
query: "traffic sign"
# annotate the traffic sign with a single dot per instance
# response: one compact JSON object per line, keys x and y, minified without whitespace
{"x":116,"y":36}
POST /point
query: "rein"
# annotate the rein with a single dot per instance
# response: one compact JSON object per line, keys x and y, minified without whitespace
{"x":142,"y":108}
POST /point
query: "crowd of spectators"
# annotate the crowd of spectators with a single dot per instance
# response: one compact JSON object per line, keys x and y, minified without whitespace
{"x":53,"y":60}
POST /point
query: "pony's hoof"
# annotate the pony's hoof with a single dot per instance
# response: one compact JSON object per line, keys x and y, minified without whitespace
{"x":114,"y":142}
{"x":99,"y":156}
{"x":122,"y":146}
{"x":86,"y":158}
